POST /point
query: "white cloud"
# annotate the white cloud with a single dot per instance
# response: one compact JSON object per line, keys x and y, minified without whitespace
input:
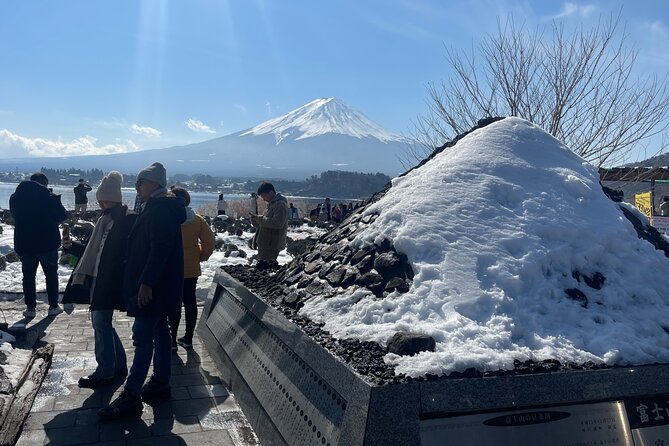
{"x":268,"y":104}
{"x":17,"y":145}
{"x":656,"y":27}
{"x":148,"y":132}
{"x":198,"y":126}
{"x":570,"y":8}
{"x":241,"y":108}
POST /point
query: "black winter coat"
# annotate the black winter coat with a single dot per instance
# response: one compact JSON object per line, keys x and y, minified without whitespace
{"x":108,"y":291}
{"x":155,"y":257}
{"x":37,"y":213}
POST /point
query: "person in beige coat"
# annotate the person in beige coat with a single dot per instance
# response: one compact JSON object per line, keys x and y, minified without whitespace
{"x":271,"y":227}
{"x":198,"y":241}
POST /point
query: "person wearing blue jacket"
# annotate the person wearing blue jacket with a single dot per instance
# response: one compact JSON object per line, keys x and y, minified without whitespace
{"x":152,"y":287}
{"x":37,"y":213}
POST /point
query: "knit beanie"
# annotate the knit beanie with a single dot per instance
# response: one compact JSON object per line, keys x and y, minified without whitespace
{"x":155,"y":172}
{"x":110,"y":188}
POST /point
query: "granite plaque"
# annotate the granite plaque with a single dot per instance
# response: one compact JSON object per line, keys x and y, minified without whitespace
{"x":578,"y":425}
{"x":649,"y":419}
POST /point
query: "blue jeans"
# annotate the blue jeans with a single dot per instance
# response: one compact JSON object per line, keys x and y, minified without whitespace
{"x":109,"y":352}
{"x":151,"y":338}
{"x":49,"y":262}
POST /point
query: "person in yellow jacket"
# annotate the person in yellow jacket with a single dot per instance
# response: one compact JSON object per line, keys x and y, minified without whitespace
{"x":198,"y":241}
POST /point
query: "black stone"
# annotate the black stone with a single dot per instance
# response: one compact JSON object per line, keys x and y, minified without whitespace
{"x":349,"y":277}
{"x":368,"y":279}
{"x":325,"y":270}
{"x":12,"y":257}
{"x":388,"y":263}
{"x":335,"y":277}
{"x":409,"y":344}
{"x":292,"y":300}
{"x":366,"y":263}
{"x":577,"y":295}
{"x":313,"y":267}
{"x":358,"y":256}
{"x":596,"y":281}
{"x":409,"y":271}
{"x":328,"y":253}
{"x":385,"y":246}
{"x":291,"y":280}
{"x":397,"y":283}
{"x":305,"y":281}
{"x":315,"y":288}
{"x":313,"y":256}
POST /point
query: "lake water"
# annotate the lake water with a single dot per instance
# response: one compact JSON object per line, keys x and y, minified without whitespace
{"x":198,"y":199}
{"x":202,"y":202}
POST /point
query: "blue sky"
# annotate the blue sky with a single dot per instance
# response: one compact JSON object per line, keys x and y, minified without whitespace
{"x":85,"y":77}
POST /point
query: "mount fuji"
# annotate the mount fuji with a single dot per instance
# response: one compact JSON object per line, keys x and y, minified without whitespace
{"x":322,"y":135}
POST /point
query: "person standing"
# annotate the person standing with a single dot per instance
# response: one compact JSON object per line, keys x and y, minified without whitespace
{"x":253,"y":201}
{"x":293,"y":213}
{"x":272,"y":227}
{"x":97,"y":279}
{"x":37,"y":213}
{"x":152,"y":288}
{"x":80,"y":198}
{"x":664,"y":207}
{"x":222,"y":205}
{"x":198,"y":242}
{"x":327,"y":207}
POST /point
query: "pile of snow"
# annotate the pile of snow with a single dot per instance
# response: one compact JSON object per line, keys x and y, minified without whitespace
{"x":495,"y":229}
{"x":319,"y":117}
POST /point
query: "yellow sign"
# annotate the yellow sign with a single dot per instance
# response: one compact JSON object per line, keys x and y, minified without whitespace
{"x":644,"y":202}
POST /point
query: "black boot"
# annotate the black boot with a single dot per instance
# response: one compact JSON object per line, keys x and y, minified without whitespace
{"x":123,"y":406}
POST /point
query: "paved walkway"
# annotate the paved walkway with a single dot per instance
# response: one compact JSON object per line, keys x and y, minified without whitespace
{"x":200,"y":412}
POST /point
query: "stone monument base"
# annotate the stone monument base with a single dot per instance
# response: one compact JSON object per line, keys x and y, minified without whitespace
{"x":294,"y":392}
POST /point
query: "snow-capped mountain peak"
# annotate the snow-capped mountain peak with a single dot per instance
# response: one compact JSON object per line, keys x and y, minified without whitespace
{"x":320,"y":117}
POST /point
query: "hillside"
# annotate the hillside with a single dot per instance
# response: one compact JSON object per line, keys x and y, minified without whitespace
{"x":323,"y":135}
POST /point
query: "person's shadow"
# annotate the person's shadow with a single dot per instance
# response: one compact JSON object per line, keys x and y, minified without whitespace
{"x":28,"y":335}
{"x":59,"y":430}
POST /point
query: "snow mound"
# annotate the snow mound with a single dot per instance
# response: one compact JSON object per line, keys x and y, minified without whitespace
{"x":517,"y":254}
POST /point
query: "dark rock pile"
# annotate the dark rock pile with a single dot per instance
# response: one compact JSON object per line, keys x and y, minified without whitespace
{"x":233,"y":226}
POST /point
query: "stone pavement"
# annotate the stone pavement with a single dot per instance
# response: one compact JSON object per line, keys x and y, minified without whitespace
{"x":200,"y":412}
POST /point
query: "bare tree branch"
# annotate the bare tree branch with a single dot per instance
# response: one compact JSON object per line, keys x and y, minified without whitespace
{"x":579,"y":86}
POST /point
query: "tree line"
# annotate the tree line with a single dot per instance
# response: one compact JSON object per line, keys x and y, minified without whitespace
{"x":332,"y":183}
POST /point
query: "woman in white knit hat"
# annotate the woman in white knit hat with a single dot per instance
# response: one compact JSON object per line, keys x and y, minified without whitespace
{"x":97,"y":279}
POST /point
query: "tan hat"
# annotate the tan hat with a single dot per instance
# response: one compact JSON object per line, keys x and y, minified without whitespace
{"x":110,"y":188}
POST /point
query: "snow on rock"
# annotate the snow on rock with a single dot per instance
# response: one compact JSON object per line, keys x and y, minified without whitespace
{"x":319,"y":117}
{"x":496,"y":229}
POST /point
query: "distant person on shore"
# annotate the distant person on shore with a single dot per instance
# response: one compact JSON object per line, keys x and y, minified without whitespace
{"x":152,"y":288}
{"x":293,"y":212}
{"x":198,"y":243}
{"x":327,"y":207}
{"x":664,"y":206}
{"x":222,"y":205}
{"x":272,"y":227}
{"x":253,"y":201}
{"x":97,"y":279}
{"x":315,"y":213}
{"x":343,"y":211}
{"x":80,"y":198}
{"x":37,"y":213}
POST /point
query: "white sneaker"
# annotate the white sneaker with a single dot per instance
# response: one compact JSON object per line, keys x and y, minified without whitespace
{"x":29,"y":312}
{"x":55,"y":310}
